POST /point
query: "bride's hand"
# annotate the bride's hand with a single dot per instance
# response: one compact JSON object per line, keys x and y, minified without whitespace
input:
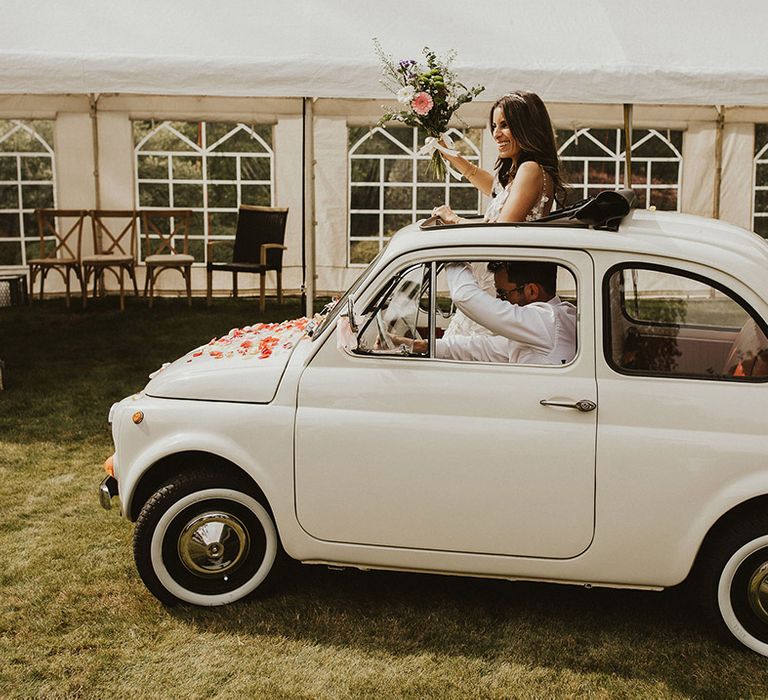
{"x":446,"y":214}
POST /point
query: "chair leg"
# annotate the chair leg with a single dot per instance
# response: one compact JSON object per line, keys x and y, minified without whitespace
{"x":132,"y":273}
{"x":79,"y":271}
{"x":146,"y":280}
{"x":262,"y":291}
{"x":66,"y":284}
{"x":32,"y":276}
{"x":151,"y":273}
{"x":234,"y":285}
{"x":209,"y":287}
{"x":188,"y":279}
{"x":86,"y":273}
{"x":279,"y":274}
{"x":43,"y":275}
{"x":122,"y":289}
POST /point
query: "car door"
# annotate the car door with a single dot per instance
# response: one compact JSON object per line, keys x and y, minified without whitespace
{"x":418,"y":452}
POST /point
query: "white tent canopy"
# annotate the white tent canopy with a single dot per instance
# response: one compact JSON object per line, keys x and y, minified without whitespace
{"x":593,"y":51}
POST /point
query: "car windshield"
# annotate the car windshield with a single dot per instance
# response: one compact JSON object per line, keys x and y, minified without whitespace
{"x":330,"y":312}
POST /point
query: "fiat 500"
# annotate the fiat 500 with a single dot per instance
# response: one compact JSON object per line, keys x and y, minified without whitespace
{"x":640,"y":462}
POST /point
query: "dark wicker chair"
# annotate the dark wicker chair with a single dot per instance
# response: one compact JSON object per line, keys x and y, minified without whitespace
{"x":258,"y":249}
{"x":114,"y":245}
{"x":65,"y":228}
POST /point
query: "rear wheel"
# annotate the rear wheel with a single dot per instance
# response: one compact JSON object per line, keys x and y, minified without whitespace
{"x":736,"y":583}
{"x":205,"y":541}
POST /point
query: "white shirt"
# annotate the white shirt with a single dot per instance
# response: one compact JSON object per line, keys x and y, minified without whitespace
{"x":537,"y":333}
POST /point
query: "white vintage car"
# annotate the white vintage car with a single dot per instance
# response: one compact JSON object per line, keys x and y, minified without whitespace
{"x":640,"y":462}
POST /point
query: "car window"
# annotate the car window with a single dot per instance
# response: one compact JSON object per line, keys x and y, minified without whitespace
{"x":668,"y":322}
{"x":400,"y":315}
{"x":407,"y":319}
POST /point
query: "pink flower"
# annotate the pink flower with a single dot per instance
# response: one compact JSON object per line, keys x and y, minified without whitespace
{"x":422,"y":103}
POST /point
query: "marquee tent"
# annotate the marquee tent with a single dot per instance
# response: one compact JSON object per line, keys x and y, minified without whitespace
{"x":95,"y":65}
{"x":593,"y":51}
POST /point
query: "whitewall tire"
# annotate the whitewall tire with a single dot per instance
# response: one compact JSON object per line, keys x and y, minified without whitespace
{"x":204,"y":545}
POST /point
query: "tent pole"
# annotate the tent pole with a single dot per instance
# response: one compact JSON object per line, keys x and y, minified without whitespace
{"x":308,"y":243}
{"x":93,"y":103}
{"x":720,"y":126}
{"x":628,"y":141}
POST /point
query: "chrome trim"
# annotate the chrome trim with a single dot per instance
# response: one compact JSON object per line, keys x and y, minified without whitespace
{"x":583,"y":405}
{"x":213,"y":544}
{"x":758,"y":592}
{"x":107,"y":491}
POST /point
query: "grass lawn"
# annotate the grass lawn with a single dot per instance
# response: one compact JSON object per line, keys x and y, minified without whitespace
{"x":76,"y":621}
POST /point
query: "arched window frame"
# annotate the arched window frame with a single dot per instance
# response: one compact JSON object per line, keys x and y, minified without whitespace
{"x":618,"y":156}
{"x":409,"y":152}
{"x":760,"y":210}
{"x":206,"y":152}
{"x":28,"y":236}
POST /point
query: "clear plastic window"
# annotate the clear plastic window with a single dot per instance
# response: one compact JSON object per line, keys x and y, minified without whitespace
{"x":672,"y":324}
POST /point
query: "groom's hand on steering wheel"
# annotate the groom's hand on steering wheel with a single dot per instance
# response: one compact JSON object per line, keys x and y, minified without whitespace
{"x":415,"y":347}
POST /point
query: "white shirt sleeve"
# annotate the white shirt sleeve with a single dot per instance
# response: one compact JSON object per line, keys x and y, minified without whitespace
{"x":532,"y":324}
{"x":480,"y":348}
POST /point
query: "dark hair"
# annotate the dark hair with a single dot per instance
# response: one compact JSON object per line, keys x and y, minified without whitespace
{"x":522,"y":272}
{"x":529,"y":122}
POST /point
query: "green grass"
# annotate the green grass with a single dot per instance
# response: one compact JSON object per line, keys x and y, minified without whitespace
{"x":76,"y":621}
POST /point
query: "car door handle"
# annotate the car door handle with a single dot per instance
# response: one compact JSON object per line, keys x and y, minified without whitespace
{"x":584,"y":405}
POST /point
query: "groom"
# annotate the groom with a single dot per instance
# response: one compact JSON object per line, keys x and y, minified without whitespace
{"x":531,"y":323}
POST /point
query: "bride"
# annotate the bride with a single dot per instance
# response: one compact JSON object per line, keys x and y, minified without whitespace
{"x":525,"y":181}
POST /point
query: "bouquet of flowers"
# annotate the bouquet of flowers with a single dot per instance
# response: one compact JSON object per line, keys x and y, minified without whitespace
{"x":429,"y":96}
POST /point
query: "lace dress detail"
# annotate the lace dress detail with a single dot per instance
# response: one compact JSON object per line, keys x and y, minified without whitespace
{"x":460,"y":324}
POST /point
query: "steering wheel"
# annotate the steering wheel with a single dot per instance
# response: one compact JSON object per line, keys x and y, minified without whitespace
{"x":384,"y":338}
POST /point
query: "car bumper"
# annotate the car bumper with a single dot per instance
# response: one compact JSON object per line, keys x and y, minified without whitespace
{"x":107,"y":491}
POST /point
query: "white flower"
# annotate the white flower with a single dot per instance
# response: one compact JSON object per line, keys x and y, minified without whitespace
{"x":405,"y":94}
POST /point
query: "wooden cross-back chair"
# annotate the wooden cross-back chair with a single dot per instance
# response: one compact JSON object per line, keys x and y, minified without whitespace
{"x":258,"y":248}
{"x":67,"y":239}
{"x":114,"y":245}
{"x":165,"y":227}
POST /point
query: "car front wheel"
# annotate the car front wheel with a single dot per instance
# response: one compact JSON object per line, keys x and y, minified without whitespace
{"x":204,"y":541}
{"x":736,"y":584}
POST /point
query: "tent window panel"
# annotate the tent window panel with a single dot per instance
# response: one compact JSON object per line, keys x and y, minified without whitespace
{"x":258,"y":195}
{"x":391,"y":185}
{"x":9,"y":197}
{"x":9,"y":225}
{"x":37,"y":196}
{"x":594,"y":160}
{"x":10,"y":254}
{"x":760,"y":179}
{"x":209,"y":167}
{"x":152,"y":167}
{"x":37,"y":168}
{"x":27,"y":182}
{"x":187,"y":168}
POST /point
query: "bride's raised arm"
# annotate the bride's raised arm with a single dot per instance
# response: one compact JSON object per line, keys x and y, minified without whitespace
{"x":480,"y":178}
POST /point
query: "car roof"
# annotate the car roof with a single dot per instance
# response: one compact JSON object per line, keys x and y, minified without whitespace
{"x":670,"y":235}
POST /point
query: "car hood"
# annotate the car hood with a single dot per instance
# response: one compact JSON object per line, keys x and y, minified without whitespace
{"x":245,"y":365}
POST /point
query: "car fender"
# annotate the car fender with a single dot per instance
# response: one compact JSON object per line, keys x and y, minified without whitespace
{"x":730,"y":496}
{"x":208,"y":442}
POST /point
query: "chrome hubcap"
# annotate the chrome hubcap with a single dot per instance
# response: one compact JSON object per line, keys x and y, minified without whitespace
{"x":213,"y":544}
{"x":757,"y":592}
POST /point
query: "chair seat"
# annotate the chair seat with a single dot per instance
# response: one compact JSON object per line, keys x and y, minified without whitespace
{"x":52,"y":261}
{"x":238,"y":267}
{"x":105,"y":259}
{"x":169,"y":259}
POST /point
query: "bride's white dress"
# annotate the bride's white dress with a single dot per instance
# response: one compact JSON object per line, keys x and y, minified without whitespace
{"x":461,"y":324}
